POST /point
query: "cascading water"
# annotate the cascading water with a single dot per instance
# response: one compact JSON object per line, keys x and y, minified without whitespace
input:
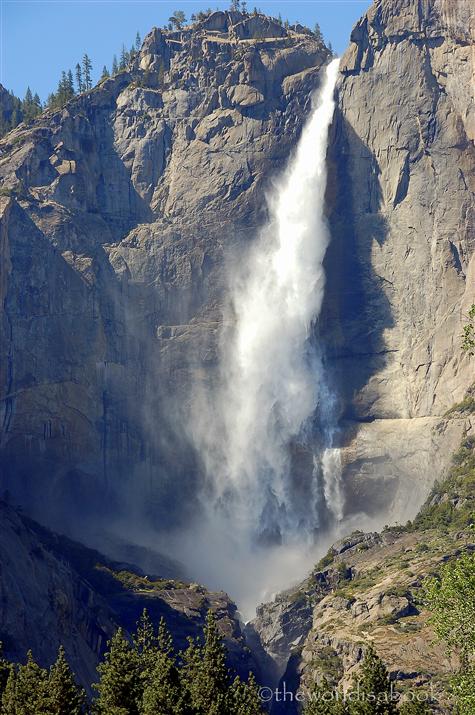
{"x":272,"y":374}
{"x":273,"y":390}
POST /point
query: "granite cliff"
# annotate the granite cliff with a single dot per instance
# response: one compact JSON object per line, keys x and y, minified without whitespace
{"x":55,"y":591}
{"x":117,"y":213}
{"x":117,"y":216}
{"x":367,"y":590}
{"x":401,"y":263}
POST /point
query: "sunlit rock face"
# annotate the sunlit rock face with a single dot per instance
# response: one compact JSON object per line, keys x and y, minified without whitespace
{"x":400,"y":266}
{"x":117,"y":215}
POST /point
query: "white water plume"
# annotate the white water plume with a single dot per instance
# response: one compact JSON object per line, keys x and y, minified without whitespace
{"x":259,"y":446}
{"x":272,"y":377}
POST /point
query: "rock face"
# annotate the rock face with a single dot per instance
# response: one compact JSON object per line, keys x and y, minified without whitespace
{"x":119,"y":211}
{"x":116,"y":215}
{"x":46,"y":603}
{"x":368,"y":595}
{"x":367,"y":590}
{"x":401,"y":265}
{"x":56,"y":591}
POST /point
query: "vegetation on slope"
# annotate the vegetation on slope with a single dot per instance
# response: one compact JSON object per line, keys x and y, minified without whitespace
{"x":74,"y":83}
{"x":451,"y":503}
{"x":141,"y":675}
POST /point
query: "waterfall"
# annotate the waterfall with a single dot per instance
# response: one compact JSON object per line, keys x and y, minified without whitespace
{"x":272,"y":373}
{"x":273,"y":388}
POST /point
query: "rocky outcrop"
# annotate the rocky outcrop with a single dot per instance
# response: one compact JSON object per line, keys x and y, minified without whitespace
{"x":367,"y":589}
{"x":368,"y":594}
{"x":44,"y":602}
{"x":119,"y":211}
{"x":55,"y":592}
{"x":401,"y":263}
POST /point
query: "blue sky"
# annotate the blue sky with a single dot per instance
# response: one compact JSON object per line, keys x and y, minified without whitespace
{"x":39,"y":38}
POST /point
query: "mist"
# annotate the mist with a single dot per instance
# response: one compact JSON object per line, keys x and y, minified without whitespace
{"x":271,"y":408}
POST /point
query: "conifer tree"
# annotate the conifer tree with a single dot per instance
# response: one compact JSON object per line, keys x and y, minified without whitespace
{"x":178,"y":19}
{"x":86,"y":72}
{"x":163,"y":692}
{"x":70,"y":84}
{"x":63,"y":694}
{"x":373,"y":688}
{"x":317,"y":32}
{"x":26,"y":690}
{"x":37,"y":103}
{"x":9,"y":697}
{"x":115,"y":66}
{"x":119,"y":686}
{"x":205,"y":674}
{"x":145,"y":643}
{"x":105,"y":73}
{"x":79,"y":82}
{"x":5,"y":668}
{"x":27,"y":106}
{"x":138,"y":41}
{"x":124,"y":58}
{"x":325,"y":700}
{"x":243,"y":698}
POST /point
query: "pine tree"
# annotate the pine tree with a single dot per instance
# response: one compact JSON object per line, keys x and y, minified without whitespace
{"x":318,"y":33}
{"x":79,"y":82}
{"x":26,"y":690}
{"x":28,"y":110}
{"x":325,"y":700}
{"x":9,"y":696}
{"x":115,"y":66}
{"x":163,"y":692}
{"x":146,"y":645}
{"x":138,"y":41}
{"x":124,"y":59}
{"x":37,"y":103}
{"x":63,"y":694}
{"x":70,"y":82}
{"x":5,"y":668}
{"x":86,"y":72}
{"x":243,"y":698}
{"x":178,"y":19}
{"x":244,"y":7}
{"x":105,"y":73}
{"x":28,"y":96}
{"x":205,"y":674}
{"x":119,"y":686}
{"x":51,"y":100}
{"x":64,"y":92}
{"x":373,"y":688}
